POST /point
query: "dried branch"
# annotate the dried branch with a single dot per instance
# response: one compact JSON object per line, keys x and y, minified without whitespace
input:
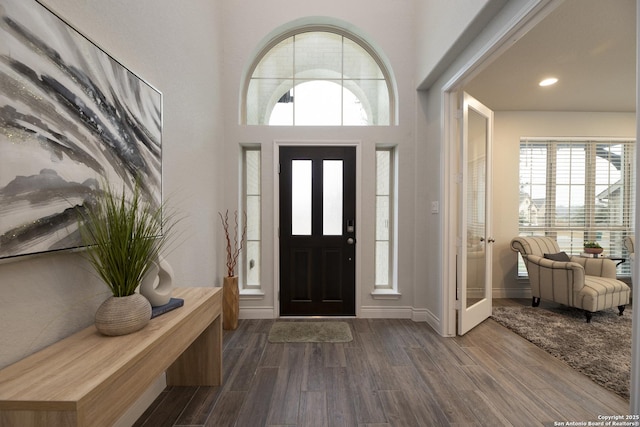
{"x":233,"y":248}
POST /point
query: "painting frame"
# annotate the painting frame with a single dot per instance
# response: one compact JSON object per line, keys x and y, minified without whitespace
{"x":72,"y":120}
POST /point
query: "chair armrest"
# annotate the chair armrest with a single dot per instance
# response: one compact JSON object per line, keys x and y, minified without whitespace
{"x":549,"y":263}
{"x":545,"y":273}
{"x":600,"y":267}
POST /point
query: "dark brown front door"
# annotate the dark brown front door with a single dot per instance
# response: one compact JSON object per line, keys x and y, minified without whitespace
{"x":317,"y":231}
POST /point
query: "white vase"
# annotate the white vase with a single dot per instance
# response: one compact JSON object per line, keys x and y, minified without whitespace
{"x":158,"y":283}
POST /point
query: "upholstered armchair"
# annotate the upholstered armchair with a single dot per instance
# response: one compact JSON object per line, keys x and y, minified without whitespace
{"x":630,"y":244}
{"x":586,"y":283}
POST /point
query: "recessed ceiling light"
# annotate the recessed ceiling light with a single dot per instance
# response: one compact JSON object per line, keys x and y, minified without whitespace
{"x":548,"y":82}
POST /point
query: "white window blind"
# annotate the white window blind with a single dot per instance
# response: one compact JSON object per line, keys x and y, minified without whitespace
{"x":577,"y":190}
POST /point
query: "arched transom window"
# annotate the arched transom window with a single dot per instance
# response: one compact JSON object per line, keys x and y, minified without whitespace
{"x":318,"y":78}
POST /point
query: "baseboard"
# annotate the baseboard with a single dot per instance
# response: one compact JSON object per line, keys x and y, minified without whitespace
{"x":386,"y":312}
{"x":256,"y":313}
{"x":519,"y":292}
{"x":424,"y":315}
{"x":370,"y":312}
{"x":420,"y":314}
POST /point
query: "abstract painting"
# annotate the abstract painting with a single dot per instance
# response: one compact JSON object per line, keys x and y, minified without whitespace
{"x":72,"y":118}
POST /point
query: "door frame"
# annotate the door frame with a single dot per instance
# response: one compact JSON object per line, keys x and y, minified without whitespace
{"x":530,"y":15}
{"x":357,"y":144}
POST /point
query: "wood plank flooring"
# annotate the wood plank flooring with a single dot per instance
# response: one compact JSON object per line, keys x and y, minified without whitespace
{"x":394,"y":373}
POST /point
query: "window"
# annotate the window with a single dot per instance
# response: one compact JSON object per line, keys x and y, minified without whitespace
{"x":318,"y":78}
{"x":578,"y":190}
{"x":385,"y":229}
{"x":252,"y":207}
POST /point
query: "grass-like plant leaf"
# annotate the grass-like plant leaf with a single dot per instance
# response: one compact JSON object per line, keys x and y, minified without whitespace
{"x":124,"y":236}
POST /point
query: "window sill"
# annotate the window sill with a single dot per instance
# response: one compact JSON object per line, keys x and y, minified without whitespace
{"x":386,"y":294}
{"x":251,"y":294}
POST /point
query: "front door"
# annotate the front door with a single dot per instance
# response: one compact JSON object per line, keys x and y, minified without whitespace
{"x":317,"y":231}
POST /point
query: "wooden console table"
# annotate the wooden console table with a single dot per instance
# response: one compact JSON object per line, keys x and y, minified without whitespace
{"x":89,"y":379}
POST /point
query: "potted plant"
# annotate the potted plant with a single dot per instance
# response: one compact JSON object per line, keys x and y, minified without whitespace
{"x":124,"y":236}
{"x":592,"y":248}
{"x":230,"y":290}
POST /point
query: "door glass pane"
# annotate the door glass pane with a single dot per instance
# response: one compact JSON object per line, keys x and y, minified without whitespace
{"x":332,"y":198}
{"x":476,"y":233}
{"x":301,"y":197}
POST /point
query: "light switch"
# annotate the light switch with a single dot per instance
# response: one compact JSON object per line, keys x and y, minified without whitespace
{"x":435,"y":207}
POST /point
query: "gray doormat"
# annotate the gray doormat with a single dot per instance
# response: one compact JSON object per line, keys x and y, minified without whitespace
{"x":303,"y":331}
{"x":601,"y":349}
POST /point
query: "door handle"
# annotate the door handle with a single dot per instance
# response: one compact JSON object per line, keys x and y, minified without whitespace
{"x":351,"y":241}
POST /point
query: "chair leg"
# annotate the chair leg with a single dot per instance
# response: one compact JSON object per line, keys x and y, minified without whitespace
{"x":535,"y":302}
{"x":621,"y":310}
{"x":588,"y":314}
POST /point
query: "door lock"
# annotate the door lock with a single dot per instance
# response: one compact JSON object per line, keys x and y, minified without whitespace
{"x":350,"y":226}
{"x":351,"y":241}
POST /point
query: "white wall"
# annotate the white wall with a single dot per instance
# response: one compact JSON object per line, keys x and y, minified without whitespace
{"x":248,"y":25}
{"x":176,"y":48}
{"x":439,"y":25}
{"x":179,"y":49}
{"x":444,"y":29}
{"x":434,"y":286}
{"x":186,"y":51}
{"x":509,"y":127}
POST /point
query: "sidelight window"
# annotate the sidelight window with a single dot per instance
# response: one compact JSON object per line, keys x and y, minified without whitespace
{"x":251,"y":260}
{"x":385,"y":219}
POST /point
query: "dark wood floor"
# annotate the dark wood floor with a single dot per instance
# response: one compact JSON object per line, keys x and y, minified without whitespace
{"x":394,"y":373}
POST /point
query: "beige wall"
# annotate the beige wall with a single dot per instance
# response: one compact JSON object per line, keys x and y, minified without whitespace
{"x":509,"y":127}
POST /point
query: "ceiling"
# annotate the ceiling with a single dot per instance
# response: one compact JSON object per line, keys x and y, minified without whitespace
{"x":589,"y":45}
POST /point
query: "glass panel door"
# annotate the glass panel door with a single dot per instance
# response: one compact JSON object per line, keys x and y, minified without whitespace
{"x":474,"y":262}
{"x":317,"y":230}
{"x":476,"y":194}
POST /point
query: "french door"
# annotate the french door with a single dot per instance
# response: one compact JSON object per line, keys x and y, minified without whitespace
{"x":474,"y":210}
{"x":317,"y":231}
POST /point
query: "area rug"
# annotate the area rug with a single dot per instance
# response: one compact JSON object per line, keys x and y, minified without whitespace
{"x":294,"y":331}
{"x":601,"y":349}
